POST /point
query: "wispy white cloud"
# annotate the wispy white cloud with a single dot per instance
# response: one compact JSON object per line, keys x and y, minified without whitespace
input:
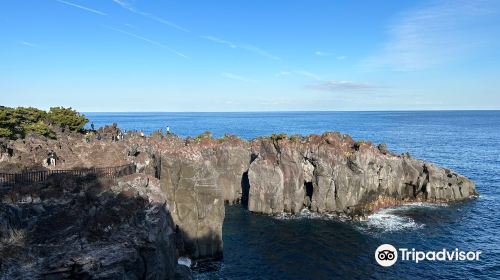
{"x":258,"y":51}
{"x":126,"y":5}
{"x":246,"y":47}
{"x":28,"y":44}
{"x":82,"y":7}
{"x":320,"y":53}
{"x":153,"y":42}
{"x":219,"y":40}
{"x":283,"y":73}
{"x":341,"y":86}
{"x":330,"y":85}
{"x":237,"y":77}
{"x":437,"y":34}
{"x":309,"y":75}
{"x":341,"y":57}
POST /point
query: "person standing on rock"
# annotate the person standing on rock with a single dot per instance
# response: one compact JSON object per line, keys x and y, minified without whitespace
{"x":92,"y":126}
{"x":52,"y":158}
{"x":168,"y":129}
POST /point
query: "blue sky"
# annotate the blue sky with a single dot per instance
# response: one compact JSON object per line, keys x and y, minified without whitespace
{"x":258,"y":55}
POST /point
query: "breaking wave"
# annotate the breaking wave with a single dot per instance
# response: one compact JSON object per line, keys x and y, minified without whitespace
{"x":394,"y":218}
{"x":307,"y":214}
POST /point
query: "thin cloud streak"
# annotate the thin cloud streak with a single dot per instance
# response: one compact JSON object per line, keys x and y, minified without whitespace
{"x":28,"y":44}
{"x":309,"y":75}
{"x":82,"y":7}
{"x":283,"y":73}
{"x":158,"y":44}
{"x":236,"y":77}
{"x":341,"y":86}
{"x":320,"y":53}
{"x":130,"y":8}
{"x":330,"y":85}
{"x":219,"y":40}
{"x":246,"y":47}
{"x":258,"y":51}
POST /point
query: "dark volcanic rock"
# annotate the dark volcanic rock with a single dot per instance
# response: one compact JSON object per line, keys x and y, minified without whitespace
{"x":197,"y":204}
{"x":335,"y":175}
{"x":231,"y":162}
{"x":139,"y":225}
{"x":85,"y":230}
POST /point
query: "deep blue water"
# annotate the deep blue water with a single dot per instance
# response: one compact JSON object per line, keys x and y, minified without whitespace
{"x":262,"y":247}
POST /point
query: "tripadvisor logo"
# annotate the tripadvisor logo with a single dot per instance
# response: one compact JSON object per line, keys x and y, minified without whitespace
{"x":387,"y":255}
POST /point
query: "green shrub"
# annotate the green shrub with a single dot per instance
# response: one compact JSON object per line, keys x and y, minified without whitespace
{"x":206,"y":134}
{"x":277,"y":137}
{"x":227,"y":137}
{"x":358,"y":144}
{"x":382,"y":147}
{"x":295,"y":138}
{"x":67,"y":117}
{"x":5,"y":132}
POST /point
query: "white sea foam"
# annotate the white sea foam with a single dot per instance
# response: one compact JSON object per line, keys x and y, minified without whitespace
{"x":486,"y":197}
{"x":387,"y":221}
{"x":306,"y":214}
{"x":184,"y":261}
{"x":392,"y":219}
{"x":415,"y":205}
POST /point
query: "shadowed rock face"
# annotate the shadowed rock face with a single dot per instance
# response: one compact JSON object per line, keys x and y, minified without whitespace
{"x":197,"y":204}
{"x":72,"y":228}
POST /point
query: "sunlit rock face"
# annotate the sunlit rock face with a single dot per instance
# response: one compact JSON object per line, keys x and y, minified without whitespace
{"x":332,"y":173}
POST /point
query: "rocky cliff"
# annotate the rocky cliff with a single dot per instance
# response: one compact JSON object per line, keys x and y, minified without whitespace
{"x":84,"y":228}
{"x":189,"y":182}
{"x":332,"y":173}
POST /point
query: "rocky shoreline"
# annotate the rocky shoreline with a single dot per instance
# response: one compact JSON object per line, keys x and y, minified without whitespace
{"x":174,"y":205}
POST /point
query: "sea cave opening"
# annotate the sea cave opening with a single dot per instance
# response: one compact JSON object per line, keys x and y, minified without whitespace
{"x":245,"y":190}
{"x":309,"y":190}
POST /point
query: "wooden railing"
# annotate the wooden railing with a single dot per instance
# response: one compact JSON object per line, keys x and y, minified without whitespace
{"x":40,"y":176}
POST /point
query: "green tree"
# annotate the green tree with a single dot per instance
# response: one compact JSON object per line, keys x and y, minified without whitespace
{"x":8,"y":122}
{"x":40,"y":128}
{"x":67,"y":117}
{"x":28,"y":115}
{"x":29,"y":119}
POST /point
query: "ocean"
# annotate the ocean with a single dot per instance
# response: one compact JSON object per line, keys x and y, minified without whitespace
{"x":311,"y":246}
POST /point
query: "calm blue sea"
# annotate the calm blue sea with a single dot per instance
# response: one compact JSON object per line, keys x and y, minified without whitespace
{"x":315,"y":247}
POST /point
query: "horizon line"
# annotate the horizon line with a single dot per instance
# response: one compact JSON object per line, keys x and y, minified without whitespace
{"x":303,"y":111}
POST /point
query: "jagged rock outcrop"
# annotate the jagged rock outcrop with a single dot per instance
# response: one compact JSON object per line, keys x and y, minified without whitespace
{"x":332,"y":173}
{"x":197,"y":204}
{"x":231,"y":161}
{"x":80,"y":228}
{"x":327,"y":173}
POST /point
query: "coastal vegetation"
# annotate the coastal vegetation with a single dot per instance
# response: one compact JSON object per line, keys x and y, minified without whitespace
{"x":278,"y":136}
{"x":358,"y":144}
{"x":18,"y":122}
